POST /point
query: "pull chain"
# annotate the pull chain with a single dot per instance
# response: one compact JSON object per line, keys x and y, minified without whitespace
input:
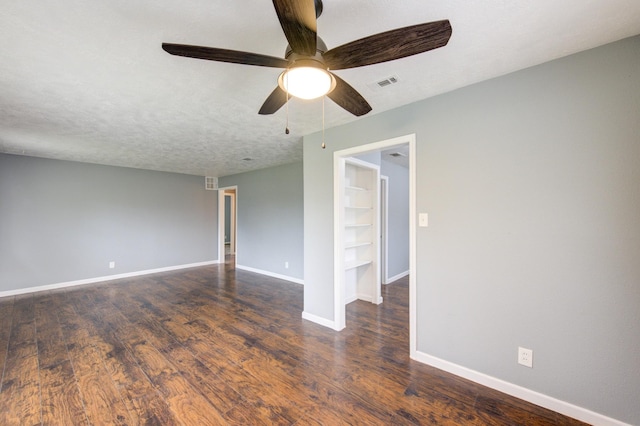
{"x":286,"y":127}
{"x":323,"y":144}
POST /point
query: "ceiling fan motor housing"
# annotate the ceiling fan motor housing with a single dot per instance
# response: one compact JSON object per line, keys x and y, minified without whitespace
{"x":321,"y":48}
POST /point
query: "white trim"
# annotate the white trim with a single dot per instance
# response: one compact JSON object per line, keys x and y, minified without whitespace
{"x":365,"y":298}
{"x":319,"y":320}
{"x":270,"y":274}
{"x":396,"y":277}
{"x":528,"y":395}
{"x":340,"y":292}
{"x":350,"y":299}
{"x":413,"y":258}
{"x":105,"y":278}
{"x":384,"y":229}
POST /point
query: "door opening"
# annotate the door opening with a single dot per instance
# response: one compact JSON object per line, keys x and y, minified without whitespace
{"x":229,"y":223}
{"x":227,"y":229}
{"x":339,"y":181}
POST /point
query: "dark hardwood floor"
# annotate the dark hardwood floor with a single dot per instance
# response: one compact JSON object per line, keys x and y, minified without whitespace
{"x":213,"y":345}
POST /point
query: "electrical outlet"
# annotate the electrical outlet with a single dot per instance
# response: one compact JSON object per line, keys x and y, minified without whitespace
{"x":112,"y":265}
{"x":525,"y":357}
{"x":286,"y":265}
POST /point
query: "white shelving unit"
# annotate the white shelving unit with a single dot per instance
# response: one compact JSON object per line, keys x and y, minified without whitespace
{"x":360,"y":230}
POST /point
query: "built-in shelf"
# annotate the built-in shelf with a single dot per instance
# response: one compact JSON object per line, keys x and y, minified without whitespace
{"x":360,"y":232}
{"x":357,"y":244}
{"x":357,"y":225}
{"x":357,"y":264}
{"x":355,"y":188}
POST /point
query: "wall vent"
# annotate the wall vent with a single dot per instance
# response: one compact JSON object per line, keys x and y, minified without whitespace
{"x":210,"y":183}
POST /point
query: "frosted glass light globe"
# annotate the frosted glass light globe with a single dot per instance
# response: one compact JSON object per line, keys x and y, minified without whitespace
{"x":306,"y":82}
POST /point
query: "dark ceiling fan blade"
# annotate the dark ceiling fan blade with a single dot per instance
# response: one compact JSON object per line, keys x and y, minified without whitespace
{"x":274,"y":102}
{"x":389,"y":45}
{"x":298,"y":20}
{"x":225,"y":55}
{"x":349,"y":98}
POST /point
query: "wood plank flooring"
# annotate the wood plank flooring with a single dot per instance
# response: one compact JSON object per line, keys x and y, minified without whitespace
{"x":213,"y":345}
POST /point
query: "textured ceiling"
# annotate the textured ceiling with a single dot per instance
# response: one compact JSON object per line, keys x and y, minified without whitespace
{"x":88,"y":81}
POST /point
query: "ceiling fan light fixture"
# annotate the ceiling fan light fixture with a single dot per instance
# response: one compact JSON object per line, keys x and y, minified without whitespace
{"x":306,"y":82}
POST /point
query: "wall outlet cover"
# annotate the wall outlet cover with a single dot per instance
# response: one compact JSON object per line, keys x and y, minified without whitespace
{"x":525,"y":357}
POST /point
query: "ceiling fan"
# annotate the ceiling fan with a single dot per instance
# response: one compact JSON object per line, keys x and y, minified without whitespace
{"x":308,"y":58}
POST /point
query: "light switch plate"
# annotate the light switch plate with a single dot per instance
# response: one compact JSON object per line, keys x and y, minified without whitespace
{"x":423,"y":220}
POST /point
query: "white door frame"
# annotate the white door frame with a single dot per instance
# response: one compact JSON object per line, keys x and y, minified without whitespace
{"x":339,"y":308}
{"x":384,"y":229}
{"x":221,"y":220}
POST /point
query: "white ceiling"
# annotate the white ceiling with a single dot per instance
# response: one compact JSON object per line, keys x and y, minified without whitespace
{"x":88,"y":80}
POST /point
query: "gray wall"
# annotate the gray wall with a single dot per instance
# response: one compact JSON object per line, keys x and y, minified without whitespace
{"x":269,"y":214}
{"x":398,"y":218}
{"x":63,"y":221}
{"x":532,"y":185}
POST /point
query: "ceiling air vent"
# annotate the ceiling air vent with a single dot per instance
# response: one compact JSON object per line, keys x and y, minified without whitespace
{"x":383,"y":83}
{"x":388,"y":81}
{"x":210,"y":183}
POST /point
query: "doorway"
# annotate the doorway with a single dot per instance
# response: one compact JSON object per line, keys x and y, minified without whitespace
{"x":229,"y":223}
{"x":339,"y":236}
{"x":227,"y":219}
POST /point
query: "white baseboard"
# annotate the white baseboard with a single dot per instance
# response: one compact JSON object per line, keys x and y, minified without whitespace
{"x":270,"y":274}
{"x":350,"y":299}
{"x":102,"y":279}
{"x":528,"y":395}
{"x":364,"y":298}
{"x":319,"y":320}
{"x":389,"y":280}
